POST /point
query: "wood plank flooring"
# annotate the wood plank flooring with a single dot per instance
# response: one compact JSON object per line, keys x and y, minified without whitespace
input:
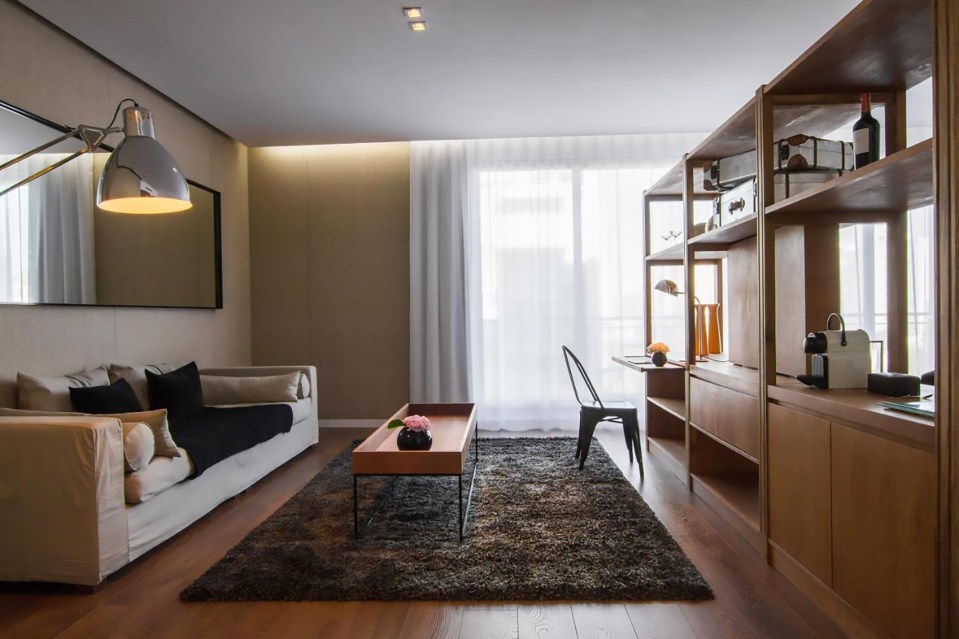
{"x":752,"y":599}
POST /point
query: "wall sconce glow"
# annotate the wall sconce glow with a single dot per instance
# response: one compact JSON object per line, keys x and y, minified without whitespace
{"x":140,"y":176}
{"x":413,"y":12}
{"x":418,"y":25}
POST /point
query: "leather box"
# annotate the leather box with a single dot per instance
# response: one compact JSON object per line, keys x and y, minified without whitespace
{"x":893,"y":384}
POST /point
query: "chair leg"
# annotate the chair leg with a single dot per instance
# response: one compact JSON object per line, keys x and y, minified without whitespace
{"x":628,"y":434}
{"x":637,"y":446}
{"x":579,"y":439}
{"x":586,"y":435}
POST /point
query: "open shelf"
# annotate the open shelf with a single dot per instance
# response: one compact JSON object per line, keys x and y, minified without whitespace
{"x":670,"y":450}
{"x":736,"y":492}
{"x":673,"y":406}
{"x":671,"y":184}
{"x":669,"y":254}
{"x":857,"y":407}
{"x":727,"y":480}
{"x":731,"y":233}
{"x":879,"y":46}
{"x":898,"y":182}
{"x":729,"y":375}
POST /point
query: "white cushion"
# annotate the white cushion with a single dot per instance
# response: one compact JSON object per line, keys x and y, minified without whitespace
{"x":224,"y":389}
{"x":136,"y":377}
{"x":303,"y":391}
{"x":139,"y":446}
{"x":157,"y":421}
{"x":53,"y":393}
{"x":160,"y":474}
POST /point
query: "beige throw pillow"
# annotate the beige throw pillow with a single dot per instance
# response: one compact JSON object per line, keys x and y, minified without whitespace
{"x":136,"y":377}
{"x":157,"y":421}
{"x":53,"y":393}
{"x":139,"y":446}
{"x":250,"y":390}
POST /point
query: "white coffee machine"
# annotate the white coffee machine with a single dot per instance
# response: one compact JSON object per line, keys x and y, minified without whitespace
{"x":840,"y":359}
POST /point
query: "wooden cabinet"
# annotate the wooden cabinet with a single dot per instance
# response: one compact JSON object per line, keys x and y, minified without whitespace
{"x":800,"y":499}
{"x":883,"y":533}
{"x":843,"y":490}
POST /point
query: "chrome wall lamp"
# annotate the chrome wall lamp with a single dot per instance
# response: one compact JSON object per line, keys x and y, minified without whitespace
{"x":140,"y":176}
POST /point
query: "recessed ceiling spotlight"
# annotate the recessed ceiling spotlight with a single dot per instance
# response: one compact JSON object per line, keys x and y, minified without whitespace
{"x":418,"y":25}
{"x":413,"y":12}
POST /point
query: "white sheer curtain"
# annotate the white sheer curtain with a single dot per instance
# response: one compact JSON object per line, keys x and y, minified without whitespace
{"x":47,"y":247}
{"x":550,"y":245}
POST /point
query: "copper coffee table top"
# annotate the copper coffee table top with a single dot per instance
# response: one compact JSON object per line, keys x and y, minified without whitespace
{"x":453,"y":427}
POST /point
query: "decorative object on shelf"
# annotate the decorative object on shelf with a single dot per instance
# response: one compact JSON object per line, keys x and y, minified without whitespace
{"x":840,"y":359}
{"x":140,"y":176}
{"x":670,"y":234}
{"x":415,"y":433}
{"x":794,"y":154}
{"x":712,"y":329}
{"x":713,"y":222}
{"x":893,"y":384}
{"x":699,"y":229}
{"x":657,"y":352}
{"x":865,"y":134}
{"x":708,"y":338}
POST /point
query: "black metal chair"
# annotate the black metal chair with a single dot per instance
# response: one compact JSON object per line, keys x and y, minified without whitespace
{"x":596,"y":411}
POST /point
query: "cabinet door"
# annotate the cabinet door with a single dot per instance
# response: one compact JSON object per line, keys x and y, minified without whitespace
{"x":883,"y":531}
{"x":729,"y":415}
{"x":799,"y":489}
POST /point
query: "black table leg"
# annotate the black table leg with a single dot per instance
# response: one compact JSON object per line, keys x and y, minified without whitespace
{"x":461,"y":506}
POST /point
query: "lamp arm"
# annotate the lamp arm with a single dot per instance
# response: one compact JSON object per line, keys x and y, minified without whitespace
{"x":91,"y":137}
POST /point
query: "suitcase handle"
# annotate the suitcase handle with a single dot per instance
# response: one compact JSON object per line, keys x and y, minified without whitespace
{"x":737,"y":205}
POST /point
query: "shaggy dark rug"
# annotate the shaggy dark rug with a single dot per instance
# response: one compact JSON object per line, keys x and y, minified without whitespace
{"x":538,"y":529}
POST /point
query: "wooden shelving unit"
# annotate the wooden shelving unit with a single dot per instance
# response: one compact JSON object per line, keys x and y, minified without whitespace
{"x":713,"y":425}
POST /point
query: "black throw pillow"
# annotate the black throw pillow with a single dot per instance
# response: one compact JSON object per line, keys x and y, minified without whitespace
{"x":118,"y":397}
{"x":179,"y":391}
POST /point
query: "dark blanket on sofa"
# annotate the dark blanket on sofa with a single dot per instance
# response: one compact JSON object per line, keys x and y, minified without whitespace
{"x":214,"y":434}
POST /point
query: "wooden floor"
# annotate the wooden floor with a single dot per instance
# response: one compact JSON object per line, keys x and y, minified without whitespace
{"x":752,"y":599}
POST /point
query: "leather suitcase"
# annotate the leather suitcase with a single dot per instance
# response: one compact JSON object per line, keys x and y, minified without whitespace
{"x":796,"y":153}
{"x":740,"y":201}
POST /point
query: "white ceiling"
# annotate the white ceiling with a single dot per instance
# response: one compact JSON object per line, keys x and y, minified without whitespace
{"x":274,"y":72}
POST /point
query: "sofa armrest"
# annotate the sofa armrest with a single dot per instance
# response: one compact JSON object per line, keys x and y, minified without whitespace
{"x":62,"y":511}
{"x":266,"y":371}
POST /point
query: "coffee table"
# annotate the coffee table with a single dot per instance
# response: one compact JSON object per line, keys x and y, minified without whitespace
{"x":454,"y":429}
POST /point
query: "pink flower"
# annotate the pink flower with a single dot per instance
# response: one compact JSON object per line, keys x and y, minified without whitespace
{"x":417,"y":423}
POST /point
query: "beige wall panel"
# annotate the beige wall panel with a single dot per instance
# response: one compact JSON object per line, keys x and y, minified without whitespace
{"x":280,"y":249}
{"x":330,"y":250}
{"x":52,"y":75}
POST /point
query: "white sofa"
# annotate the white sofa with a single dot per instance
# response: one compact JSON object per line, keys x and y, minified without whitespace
{"x":63,"y":514}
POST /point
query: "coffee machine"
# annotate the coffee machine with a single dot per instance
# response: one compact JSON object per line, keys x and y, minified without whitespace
{"x":840,"y":359}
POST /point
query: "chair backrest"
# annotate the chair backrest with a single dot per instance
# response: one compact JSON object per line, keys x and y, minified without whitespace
{"x":567,"y":355}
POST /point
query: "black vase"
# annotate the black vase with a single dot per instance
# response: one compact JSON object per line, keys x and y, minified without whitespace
{"x":659,"y":359}
{"x":414,"y":439}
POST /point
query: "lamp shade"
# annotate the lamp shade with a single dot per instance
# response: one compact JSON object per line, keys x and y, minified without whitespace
{"x":669,"y":287}
{"x":141,"y":176}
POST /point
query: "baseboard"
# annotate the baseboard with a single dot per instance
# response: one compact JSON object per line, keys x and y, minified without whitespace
{"x":350,"y":423}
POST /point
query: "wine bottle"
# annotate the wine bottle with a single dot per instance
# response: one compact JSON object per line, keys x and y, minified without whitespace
{"x":865,"y":135}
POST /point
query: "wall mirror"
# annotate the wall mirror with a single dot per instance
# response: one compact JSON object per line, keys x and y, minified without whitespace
{"x":57,"y":247}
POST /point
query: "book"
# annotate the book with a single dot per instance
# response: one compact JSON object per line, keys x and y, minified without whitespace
{"x":924,"y":407}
